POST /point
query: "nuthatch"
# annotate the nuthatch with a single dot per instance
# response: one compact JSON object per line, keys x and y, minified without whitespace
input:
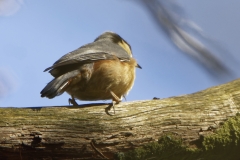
{"x":101,"y":70}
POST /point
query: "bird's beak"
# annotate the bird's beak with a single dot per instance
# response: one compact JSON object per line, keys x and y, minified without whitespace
{"x":138,"y":66}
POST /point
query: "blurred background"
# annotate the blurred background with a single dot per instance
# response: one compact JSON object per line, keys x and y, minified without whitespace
{"x":34,"y":34}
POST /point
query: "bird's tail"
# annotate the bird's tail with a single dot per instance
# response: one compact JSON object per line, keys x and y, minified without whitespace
{"x":59,"y":84}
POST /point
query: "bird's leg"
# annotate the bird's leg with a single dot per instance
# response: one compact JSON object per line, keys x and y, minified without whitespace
{"x":72,"y":101}
{"x":114,"y":98}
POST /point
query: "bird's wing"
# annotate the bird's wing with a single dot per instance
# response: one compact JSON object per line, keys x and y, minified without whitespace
{"x":99,"y":50}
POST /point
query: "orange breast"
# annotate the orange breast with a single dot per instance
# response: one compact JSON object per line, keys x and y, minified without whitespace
{"x":107,"y":75}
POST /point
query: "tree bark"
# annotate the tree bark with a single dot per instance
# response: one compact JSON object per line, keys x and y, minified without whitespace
{"x":87,"y":132}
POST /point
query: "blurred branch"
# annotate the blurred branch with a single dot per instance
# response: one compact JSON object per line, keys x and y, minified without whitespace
{"x":187,"y":36}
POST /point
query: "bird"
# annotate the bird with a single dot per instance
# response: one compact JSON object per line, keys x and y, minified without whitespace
{"x":101,"y":70}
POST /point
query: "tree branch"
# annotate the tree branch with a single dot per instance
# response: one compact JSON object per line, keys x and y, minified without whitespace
{"x":88,"y":132}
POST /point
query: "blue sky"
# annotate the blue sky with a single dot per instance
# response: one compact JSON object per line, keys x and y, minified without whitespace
{"x":34,"y":34}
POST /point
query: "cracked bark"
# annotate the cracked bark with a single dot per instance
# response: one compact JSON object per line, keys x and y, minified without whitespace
{"x":88,"y":132}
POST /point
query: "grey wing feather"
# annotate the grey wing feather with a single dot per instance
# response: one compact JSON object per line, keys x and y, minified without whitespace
{"x":99,"y":50}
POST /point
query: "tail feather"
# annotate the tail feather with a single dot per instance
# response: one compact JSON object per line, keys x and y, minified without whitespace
{"x":58,"y":85}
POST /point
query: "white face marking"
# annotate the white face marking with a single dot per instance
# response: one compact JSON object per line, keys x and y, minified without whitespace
{"x":123,"y":60}
{"x":126,"y":47}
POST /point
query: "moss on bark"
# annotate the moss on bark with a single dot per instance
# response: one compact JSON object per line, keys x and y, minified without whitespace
{"x":223,"y":144}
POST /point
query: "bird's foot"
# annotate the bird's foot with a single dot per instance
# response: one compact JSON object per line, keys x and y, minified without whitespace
{"x":116,"y":99}
{"x":107,"y":109}
{"x":72,"y":101}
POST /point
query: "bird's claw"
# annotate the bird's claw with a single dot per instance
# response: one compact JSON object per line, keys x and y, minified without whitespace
{"x":72,"y":101}
{"x":107,"y":109}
